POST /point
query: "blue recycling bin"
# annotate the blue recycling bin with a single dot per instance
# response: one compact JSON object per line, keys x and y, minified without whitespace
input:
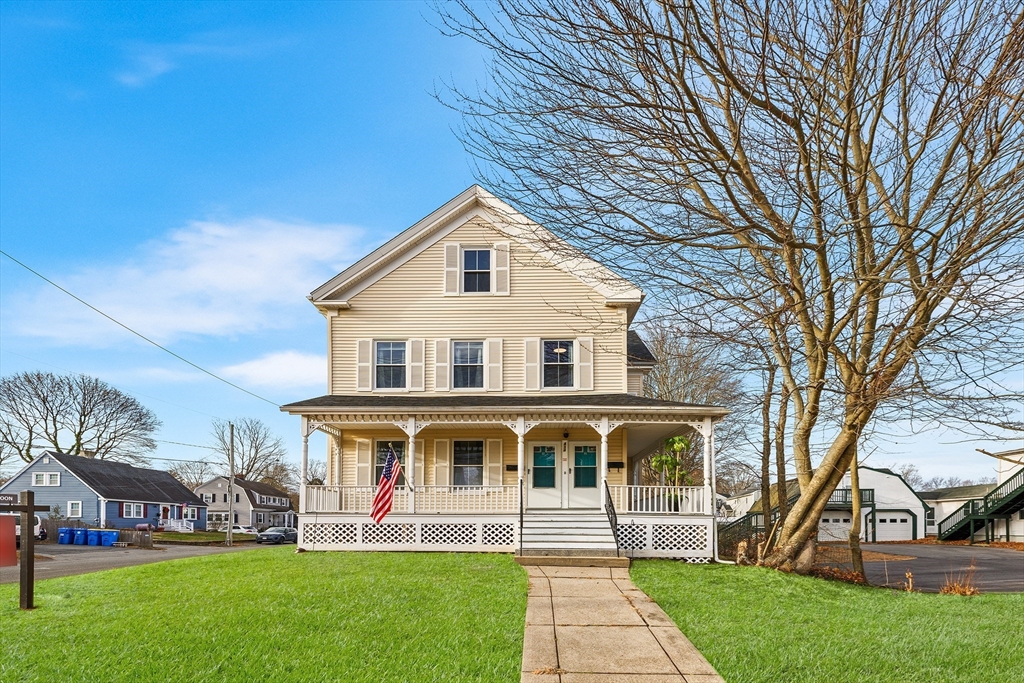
{"x":81,"y":536}
{"x":108,"y":538}
{"x":94,"y":537}
{"x":65,"y":535}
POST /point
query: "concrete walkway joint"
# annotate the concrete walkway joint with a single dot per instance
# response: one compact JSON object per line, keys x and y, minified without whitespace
{"x":592,"y":625}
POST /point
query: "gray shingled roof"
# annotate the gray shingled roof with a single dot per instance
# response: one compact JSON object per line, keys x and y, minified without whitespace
{"x":255,"y":487}
{"x":369,"y":401}
{"x":637,"y":352}
{"x":120,"y":481}
{"x":975,"y":491}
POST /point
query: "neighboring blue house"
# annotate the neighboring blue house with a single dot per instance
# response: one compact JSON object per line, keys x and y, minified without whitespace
{"x":108,"y":494}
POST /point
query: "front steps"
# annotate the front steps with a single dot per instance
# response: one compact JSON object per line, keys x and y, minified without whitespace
{"x":570,"y":561}
{"x":580,"y":533}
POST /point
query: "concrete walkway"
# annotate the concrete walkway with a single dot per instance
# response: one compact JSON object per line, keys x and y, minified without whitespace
{"x":591,"y":624}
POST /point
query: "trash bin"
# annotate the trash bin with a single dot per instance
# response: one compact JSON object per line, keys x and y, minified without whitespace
{"x":94,"y":536}
{"x":65,"y":535}
{"x":108,"y":538}
{"x":81,"y":536}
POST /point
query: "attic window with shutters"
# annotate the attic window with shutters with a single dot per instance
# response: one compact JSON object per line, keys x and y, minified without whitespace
{"x":476,"y":269}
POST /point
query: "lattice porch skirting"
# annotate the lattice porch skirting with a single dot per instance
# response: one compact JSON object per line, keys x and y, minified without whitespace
{"x":447,"y":533}
{"x":672,"y":536}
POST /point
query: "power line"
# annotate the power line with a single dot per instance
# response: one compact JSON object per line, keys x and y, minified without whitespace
{"x":191,"y":445}
{"x":138,"y":334}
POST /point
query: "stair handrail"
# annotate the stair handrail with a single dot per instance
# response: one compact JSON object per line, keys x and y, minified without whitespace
{"x":520,"y":516}
{"x":996,"y":495}
{"x":958,"y":516}
{"x":613,"y":519}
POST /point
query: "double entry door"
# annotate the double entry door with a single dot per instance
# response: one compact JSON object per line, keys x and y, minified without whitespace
{"x":563,"y":474}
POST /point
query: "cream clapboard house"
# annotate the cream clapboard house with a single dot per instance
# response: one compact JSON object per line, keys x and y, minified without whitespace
{"x":507,"y":380}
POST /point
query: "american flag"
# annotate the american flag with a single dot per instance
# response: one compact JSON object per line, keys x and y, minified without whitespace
{"x":386,"y":487}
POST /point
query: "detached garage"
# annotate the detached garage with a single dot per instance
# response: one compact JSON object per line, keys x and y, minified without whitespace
{"x":894,"y":526}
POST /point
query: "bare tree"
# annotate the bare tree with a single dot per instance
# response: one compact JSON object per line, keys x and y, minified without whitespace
{"x":73,"y":414}
{"x":194,"y":473}
{"x":843,"y":180}
{"x":316,"y":472}
{"x":283,"y":476}
{"x":257,"y":450}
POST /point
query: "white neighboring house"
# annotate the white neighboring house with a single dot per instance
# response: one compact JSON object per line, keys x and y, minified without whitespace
{"x":256,"y":504}
{"x":739,"y":504}
{"x":946,"y":501}
{"x":890,"y":509}
{"x":998,"y":514}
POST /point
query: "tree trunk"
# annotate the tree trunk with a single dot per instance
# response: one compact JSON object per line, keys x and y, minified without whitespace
{"x":855,"y":555}
{"x":780,"y":456}
{"x":766,"y":451}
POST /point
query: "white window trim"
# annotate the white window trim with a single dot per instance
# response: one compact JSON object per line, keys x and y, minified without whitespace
{"x":373,"y":367}
{"x":451,"y":366}
{"x":463,"y":248}
{"x":130,"y":509}
{"x":466,"y":488}
{"x":45,"y":478}
{"x":79,"y":504}
{"x":191,"y":513}
{"x":575,"y":365}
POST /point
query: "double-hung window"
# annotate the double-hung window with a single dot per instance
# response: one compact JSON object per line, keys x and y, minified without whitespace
{"x":74,"y":508}
{"x":390,"y":365}
{"x":468,"y":465}
{"x":558,"y":363}
{"x":191,"y":513}
{"x":46,"y":479}
{"x":382,"y":456}
{"x":476,"y":270}
{"x":134,"y":510}
{"x":468,"y":365}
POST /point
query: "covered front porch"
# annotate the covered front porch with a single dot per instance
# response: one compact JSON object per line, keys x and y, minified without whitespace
{"x":474,"y":466}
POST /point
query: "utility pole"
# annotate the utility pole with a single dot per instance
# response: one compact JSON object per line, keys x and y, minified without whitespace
{"x":231,"y":481}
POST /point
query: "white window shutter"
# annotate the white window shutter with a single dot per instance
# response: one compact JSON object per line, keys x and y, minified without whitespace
{"x":451,"y":269}
{"x":364,"y":364}
{"x":493,"y":469}
{"x":533,"y":364}
{"x":585,"y":363}
{"x":442,"y":456}
{"x":414,"y":361}
{"x":441,"y":371}
{"x":492,"y":364}
{"x":501,"y":268}
{"x":364,"y":465}
{"x":421,"y":455}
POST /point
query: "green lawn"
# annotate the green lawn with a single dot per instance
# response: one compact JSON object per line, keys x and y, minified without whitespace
{"x":271,"y":614}
{"x":756,"y":625}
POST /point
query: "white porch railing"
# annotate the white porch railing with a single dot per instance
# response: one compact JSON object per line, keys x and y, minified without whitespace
{"x":450,"y":499}
{"x":179,"y":525}
{"x":664,"y":500}
{"x":485,"y":499}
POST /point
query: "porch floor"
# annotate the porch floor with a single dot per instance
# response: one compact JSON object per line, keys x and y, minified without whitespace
{"x":593,"y":624}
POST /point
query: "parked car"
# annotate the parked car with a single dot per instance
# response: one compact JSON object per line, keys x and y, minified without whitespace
{"x":278,"y":534}
{"x":39,"y":530}
{"x":239,"y":529}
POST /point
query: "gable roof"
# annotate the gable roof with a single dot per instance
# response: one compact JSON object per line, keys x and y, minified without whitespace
{"x":952,"y":492}
{"x":254,"y":488}
{"x":121,"y":481}
{"x":335,"y":292}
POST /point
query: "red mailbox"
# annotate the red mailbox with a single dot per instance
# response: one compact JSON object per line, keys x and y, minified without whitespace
{"x":8,"y":544}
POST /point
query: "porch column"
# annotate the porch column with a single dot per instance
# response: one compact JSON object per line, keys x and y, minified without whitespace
{"x":604,"y":460}
{"x":410,"y":475}
{"x":520,"y":448}
{"x":305,"y":466}
{"x":706,"y":430}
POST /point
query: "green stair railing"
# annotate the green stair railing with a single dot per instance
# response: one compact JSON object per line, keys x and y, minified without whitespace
{"x":1006,"y":493}
{"x":960,"y":516}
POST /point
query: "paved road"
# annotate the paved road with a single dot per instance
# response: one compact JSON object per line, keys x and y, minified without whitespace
{"x":998,"y":570}
{"x":77,"y":559}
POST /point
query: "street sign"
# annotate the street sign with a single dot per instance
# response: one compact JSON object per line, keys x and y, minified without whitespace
{"x":8,"y":498}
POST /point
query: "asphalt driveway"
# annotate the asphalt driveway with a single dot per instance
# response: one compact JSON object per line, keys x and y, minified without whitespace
{"x":998,"y":570}
{"x":68,"y":560}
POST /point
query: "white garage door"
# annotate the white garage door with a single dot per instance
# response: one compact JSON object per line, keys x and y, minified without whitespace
{"x":894,"y":526}
{"x":834,"y":526}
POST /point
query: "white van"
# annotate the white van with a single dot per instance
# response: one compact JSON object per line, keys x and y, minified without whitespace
{"x":39,"y":532}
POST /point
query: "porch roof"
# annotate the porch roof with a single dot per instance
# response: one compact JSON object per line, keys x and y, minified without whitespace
{"x":349,"y":403}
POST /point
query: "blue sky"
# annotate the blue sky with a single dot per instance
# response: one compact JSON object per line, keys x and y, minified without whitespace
{"x":195,"y":169}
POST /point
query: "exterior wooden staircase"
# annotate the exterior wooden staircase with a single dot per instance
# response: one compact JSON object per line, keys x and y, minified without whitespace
{"x":1000,"y":503}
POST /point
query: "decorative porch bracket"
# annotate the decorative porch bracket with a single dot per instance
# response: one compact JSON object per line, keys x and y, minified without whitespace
{"x":521,"y":428}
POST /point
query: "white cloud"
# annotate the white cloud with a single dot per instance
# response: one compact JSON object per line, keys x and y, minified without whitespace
{"x":148,"y":61}
{"x":281,"y":370}
{"x":208,"y":279}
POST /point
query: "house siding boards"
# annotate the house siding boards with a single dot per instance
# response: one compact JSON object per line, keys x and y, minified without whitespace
{"x":509,"y":450}
{"x":545,"y":302}
{"x":71,"y":488}
{"x":247,"y":508}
